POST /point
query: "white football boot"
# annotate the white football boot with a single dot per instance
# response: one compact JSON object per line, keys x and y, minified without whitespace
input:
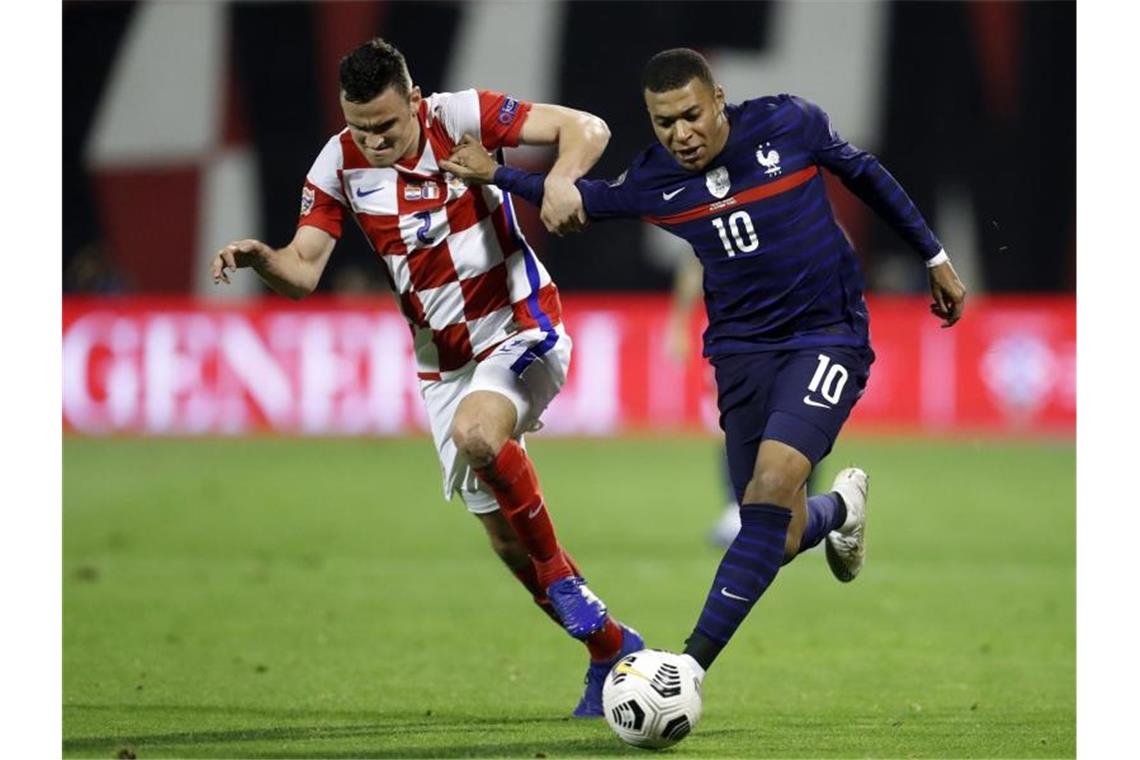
{"x":846,"y":547}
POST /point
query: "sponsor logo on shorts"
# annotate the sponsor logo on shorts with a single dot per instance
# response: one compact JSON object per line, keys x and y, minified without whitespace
{"x":812,"y":402}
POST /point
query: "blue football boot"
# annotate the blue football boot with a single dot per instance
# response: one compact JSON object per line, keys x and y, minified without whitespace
{"x":590,"y":706}
{"x":579,"y":609}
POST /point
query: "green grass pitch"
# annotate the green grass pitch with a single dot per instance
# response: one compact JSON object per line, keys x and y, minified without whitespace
{"x":317,"y":598}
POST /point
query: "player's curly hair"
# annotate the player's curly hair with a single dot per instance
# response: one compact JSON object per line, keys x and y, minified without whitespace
{"x":672,"y":69}
{"x":371,"y":69}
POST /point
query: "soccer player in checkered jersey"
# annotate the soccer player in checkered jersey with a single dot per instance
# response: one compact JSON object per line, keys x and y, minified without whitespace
{"x":788,"y":331}
{"x":485,"y":317}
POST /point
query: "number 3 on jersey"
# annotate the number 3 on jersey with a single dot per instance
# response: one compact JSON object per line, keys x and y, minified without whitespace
{"x":743,"y":233}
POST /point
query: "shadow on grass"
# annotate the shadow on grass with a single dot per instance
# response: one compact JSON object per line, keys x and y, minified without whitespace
{"x":372,"y":735}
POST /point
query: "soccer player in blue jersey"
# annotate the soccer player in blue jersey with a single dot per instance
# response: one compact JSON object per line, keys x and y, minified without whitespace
{"x":788,"y":327}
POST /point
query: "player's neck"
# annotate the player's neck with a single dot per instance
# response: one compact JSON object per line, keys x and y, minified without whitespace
{"x":415,"y":145}
{"x":721,"y":136}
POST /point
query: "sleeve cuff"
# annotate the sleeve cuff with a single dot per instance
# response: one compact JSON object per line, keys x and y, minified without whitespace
{"x":937,"y":259}
{"x":505,"y":177}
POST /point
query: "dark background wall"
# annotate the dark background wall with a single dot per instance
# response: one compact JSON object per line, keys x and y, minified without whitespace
{"x":975,"y":112}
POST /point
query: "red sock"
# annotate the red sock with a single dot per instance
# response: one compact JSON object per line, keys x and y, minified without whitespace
{"x":605,"y":644}
{"x":514,"y":482}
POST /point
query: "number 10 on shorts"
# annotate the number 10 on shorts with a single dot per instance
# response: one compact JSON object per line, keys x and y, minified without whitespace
{"x":832,"y":376}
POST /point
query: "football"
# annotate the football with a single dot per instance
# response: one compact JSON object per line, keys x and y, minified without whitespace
{"x":652,"y":699}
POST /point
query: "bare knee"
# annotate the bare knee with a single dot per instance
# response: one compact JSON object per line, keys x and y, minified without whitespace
{"x":482,"y":424}
{"x":476,"y":444}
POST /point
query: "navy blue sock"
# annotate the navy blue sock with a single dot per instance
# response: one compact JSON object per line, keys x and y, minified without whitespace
{"x":825,"y":513}
{"x":748,"y":567}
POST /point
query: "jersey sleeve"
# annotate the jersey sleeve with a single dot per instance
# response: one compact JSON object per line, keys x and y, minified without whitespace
{"x":862,"y":174}
{"x":322,"y":199}
{"x":496,"y":119}
{"x":501,"y":119}
{"x":601,"y":199}
{"x":613,"y":199}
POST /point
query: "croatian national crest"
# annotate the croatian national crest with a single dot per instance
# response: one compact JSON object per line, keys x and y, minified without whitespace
{"x":718,"y":182}
{"x":770,"y":161}
{"x":453,"y":182}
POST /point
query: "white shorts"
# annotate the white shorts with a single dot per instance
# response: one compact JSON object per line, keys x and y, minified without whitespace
{"x":522,"y":369}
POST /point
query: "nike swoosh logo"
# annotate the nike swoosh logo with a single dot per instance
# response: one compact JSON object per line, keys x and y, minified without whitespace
{"x":363,"y":193}
{"x":534,"y":512}
{"x":725,"y":592}
{"x":669,"y":196}
{"x":808,"y":400}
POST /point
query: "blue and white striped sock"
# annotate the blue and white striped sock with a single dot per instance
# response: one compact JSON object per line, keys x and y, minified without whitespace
{"x":748,"y":567}
{"x":825,"y":513}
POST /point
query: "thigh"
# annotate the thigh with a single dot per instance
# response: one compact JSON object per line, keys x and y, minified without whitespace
{"x":529,"y":370}
{"x":442,"y":399}
{"x":812,"y":396}
{"x":743,"y":384}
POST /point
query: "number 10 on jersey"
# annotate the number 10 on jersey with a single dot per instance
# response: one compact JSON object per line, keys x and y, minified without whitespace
{"x":743,"y":233}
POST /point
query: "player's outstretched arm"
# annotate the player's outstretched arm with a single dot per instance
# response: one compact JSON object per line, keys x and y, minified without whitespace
{"x":600,"y":200}
{"x":948,"y":292}
{"x":471,"y":162}
{"x":292,"y":271}
{"x":581,"y":137}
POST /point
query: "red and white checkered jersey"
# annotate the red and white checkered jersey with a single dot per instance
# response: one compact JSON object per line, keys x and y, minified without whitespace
{"x":465,"y":277}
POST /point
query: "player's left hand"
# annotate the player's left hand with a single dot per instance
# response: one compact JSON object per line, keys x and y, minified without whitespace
{"x":948,"y":292}
{"x":471,"y":162}
{"x":562,"y":209}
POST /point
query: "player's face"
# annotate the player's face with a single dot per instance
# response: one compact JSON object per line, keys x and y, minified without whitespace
{"x":385,"y":128}
{"x":690,"y":122}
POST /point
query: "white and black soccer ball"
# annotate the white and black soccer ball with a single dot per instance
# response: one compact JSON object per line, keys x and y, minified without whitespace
{"x":652,"y":699}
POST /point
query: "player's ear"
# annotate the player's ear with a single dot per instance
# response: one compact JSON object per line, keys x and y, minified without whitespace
{"x":718,"y":97}
{"x":414,"y":97}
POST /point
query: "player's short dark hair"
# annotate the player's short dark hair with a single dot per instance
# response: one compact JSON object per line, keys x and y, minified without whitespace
{"x":673,"y":69}
{"x":371,"y":69}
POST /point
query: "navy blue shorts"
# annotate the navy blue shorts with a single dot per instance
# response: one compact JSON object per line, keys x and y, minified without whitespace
{"x":800,"y":397}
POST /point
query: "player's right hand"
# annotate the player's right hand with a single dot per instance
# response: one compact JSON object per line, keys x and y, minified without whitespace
{"x":470,"y":161}
{"x":237,"y":255}
{"x":562,"y":208}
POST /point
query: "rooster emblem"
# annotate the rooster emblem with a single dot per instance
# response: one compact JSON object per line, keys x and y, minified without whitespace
{"x":770,"y":161}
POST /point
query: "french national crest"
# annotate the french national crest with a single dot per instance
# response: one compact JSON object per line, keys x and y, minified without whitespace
{"x":771,"y":161}
{"x":718,"y":182}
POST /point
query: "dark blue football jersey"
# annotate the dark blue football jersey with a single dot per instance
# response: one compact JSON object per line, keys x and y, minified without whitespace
{"x":779,"y":273}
